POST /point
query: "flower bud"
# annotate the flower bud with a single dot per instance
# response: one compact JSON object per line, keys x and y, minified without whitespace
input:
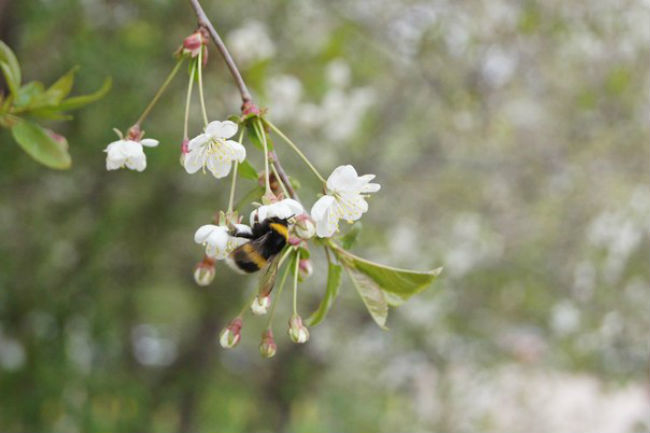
{"x":231,"y":334}
{"x":305,"y":227}
{"x":297,"y":331}
{"x":204,"y":271}
{"x":267,"y":345}
{"x":305,"y":268}
{"x":193,"y":44}
{"x":261,"y":305}
{"x":184,"y":150}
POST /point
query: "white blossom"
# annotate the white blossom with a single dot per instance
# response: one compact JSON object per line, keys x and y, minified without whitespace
{"x":282,"y":209}
{"x":260,"y":305}
{"x":345,"y":199}
{"x":128,"y":153}
{"x":218,"y":240}
{"x":213,"y":150}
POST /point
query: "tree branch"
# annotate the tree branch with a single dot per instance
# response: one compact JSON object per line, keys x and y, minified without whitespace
{"x":205,"y":23}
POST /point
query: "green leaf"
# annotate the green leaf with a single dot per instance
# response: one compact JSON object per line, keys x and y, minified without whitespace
{"x":10,"y":68}
{"x":350,"y":238}
{"x":372,"y":296}
{"x":331,"y":292}
{"x":30,"y":95}
{"x":402,"y":283}
{"x":61,"y":88}
{"x":246,"y":171}
{"x":255,"y":132}
{"x":49,"y":150}
{"x":251,"y":132}
{"x":79,"y":101}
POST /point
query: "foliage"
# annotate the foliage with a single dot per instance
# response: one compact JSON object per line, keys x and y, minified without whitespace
{"x":32,"y":100}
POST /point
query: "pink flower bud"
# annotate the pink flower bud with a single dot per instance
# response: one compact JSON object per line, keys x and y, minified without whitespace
{"x":261,"y":305}
{"x":204,"y":271}
{"x":231,"y":334}
{"x":267,"y":345}
{"x":305,"y":227}
{"x":305,"y":268}
{"x":193,"y":44}
{"x":297,"y":331}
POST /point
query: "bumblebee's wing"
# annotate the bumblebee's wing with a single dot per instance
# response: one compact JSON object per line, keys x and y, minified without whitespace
{"x":268,"y":279}
{"x":249,"y":257}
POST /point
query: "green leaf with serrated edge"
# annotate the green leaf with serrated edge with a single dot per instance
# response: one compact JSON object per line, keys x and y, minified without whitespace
{"x":403,"y":283}
{"x":79,"y":101}
{"x":372,"y":296}
{"x":246,"y":171}
{"x":41,"y":145}
{"x":350,"y":238}
{"x":10,"y":68}
{"x":331,"y":292}
{"x":61,"y":88}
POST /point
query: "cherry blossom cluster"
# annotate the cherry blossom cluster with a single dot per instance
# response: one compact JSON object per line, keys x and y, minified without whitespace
{"x":220,"y":150}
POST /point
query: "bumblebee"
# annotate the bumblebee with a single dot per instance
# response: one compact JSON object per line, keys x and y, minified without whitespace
{"x":267,"y":239}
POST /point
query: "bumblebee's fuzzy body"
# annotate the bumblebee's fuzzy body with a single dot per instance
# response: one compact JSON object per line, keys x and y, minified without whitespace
{"x":267,"y":239}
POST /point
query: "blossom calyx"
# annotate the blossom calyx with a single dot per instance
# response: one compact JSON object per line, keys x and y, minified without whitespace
{"x":261,"y":304}
{"x":297,"y":331}
{"x":231,"y":334}
{"x":267,"y":345}
{"x":204,"y":271}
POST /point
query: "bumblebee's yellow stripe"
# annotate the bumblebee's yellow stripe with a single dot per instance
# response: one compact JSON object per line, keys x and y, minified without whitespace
{"x":254,"y":256}
{"x":280,"y":228}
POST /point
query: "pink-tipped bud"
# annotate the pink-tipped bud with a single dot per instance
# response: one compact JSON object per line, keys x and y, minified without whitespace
{"x":297,"y":331}
{"x":261,"y":305}
{"x":193,"y":44}
{"x":267,"y":345}
{"x":231,"y":334}
{"x":184,"y":150}
{"x":305,"y":268}
{"x":305,"y":227}
{"x":204,"y":271}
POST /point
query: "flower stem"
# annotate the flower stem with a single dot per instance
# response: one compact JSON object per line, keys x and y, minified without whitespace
{"x":279,"y":179}
{"x":295,"y":149}
{"x":234,"y":176}
{"x":188,"y":100}
{"x":277,"y":296}
{"x":159,"y":93}
{"x":247,"y":304}
{"x":200,"y":66}
{"x":295,"y":283}
{"x":259,"y":128}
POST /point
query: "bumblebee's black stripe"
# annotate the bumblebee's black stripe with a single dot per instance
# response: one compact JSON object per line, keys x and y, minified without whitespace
{"x":269,"y":238}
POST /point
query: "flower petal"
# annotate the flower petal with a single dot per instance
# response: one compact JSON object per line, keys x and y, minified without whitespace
{"x":343,"y":179}
{"x":351,"y":206}
{"x":225,"y":129}
{"x":149,"y":142}
{"x":194,"y":160}
{"x":203,"y":232}
{"x":236,"y":150}
{"x":324,"y":214}
{"x":138,"y":163}
{"x":293,"y":205}
{"x":219,"y":167}
{"x":199,"y":141}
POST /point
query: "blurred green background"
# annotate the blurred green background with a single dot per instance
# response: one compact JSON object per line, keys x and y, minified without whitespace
{"x":511,"y":142}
